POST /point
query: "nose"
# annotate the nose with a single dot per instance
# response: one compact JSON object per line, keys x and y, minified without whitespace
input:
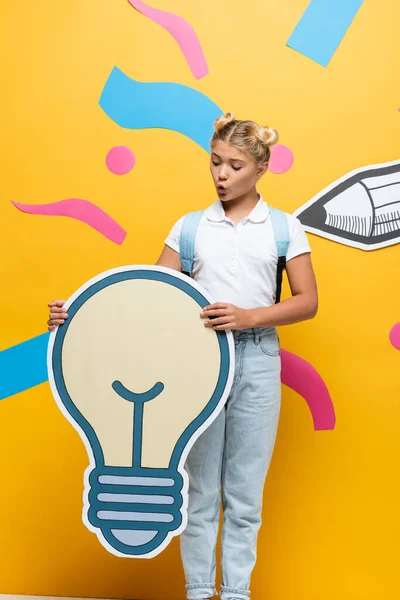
{"x":222,"y":174}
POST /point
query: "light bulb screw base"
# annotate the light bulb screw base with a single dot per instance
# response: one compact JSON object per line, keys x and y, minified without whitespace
{"x":135,"y":508}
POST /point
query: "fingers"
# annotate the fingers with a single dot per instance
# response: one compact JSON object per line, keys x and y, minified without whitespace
{"x":57,"y":303}
{"x":215,"y":306}
{"x":52,"y":322}
{"x":223,"y":327}
{"x":57,"y":314}
{"x":60,"y":314}
{"x":57,"y":319}
{"x":217,"y":312}
{"x":220,"y":321}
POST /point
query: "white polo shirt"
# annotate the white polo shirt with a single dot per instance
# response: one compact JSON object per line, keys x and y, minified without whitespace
{"x":237,"y":263}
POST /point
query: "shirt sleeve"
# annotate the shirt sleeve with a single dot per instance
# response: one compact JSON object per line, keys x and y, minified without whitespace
{"x":174,"y":236}
{"x":298,"y":239}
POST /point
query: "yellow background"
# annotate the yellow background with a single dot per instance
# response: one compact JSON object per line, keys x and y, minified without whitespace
{"x":331,"y":517}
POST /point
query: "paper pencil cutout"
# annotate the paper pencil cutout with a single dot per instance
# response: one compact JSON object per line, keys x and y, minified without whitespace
{"x":361,"y":209}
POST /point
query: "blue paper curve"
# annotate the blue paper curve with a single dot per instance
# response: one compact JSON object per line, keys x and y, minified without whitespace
{"x":136,"y":105}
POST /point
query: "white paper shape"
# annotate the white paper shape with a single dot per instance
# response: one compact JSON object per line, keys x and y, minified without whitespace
{"x":361,"y":209}
{"x":137,"y":374}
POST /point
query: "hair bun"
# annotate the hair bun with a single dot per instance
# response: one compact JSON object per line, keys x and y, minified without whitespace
{"x":266,"y":135}
{"x":221,"y":122}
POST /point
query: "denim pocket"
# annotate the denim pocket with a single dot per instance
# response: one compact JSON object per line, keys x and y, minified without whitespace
{"x":269,"y":344}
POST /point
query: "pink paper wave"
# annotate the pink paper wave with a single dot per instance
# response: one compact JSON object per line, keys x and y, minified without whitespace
{"x":300,"y":376}
{"x":182,"y":32}
{"x":82,"y":210}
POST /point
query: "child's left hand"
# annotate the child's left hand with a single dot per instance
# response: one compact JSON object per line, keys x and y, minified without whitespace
{"x":227,"y":316}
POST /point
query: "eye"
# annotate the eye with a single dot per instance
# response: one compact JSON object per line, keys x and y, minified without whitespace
{"x":236,"y":168}
{"x":216,"y":164}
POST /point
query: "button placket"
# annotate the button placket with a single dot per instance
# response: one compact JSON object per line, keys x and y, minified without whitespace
{"x":233,"y":268}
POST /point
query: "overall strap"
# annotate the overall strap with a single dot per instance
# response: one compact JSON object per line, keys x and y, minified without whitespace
{"x":282,"y":240}
{"x":187,"y":238}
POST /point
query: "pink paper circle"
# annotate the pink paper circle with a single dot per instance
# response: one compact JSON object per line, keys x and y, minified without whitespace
{"x":281,"y":159}
{"x":120,"y":160}
{"x":395,"y":336}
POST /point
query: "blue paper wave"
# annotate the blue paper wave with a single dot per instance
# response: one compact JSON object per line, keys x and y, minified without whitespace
{"x":136,"y":105}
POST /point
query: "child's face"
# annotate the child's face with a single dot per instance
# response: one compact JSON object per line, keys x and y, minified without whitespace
{"x":234,"y":172}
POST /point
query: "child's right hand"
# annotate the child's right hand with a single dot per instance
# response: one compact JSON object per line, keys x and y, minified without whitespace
{"x":57,"y":314}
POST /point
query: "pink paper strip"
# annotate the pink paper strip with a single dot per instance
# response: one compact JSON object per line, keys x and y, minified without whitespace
{"x":300,"y":376}
{"x":182,"y":32}
{"x":82,"y":210}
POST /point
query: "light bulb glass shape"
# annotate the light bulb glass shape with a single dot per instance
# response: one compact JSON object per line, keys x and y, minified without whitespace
{"x":140,"y":377}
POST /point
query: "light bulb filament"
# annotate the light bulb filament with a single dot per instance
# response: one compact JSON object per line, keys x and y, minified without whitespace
{"x":133,"y":396}
{"x":138,"y":400}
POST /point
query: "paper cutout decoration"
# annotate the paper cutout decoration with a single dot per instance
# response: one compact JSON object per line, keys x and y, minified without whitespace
{"x":120,"y":160}
{"x":23,"y":366}
{"x":182,"y":32}
{"x":300,"y":376}
{"x":361,"y":209}
{"x":139,"y":376}
{"x":136,"y":105}
{"x":281,"y":159}
{"x":322,"y":28}
{"x":82,"y":210}
{"x":395,"y":336}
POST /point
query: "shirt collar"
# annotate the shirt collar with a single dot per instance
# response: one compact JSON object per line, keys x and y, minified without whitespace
{"x":259,"y":214}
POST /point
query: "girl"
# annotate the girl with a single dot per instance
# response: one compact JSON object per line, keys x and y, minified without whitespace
{"x":236,"y":261}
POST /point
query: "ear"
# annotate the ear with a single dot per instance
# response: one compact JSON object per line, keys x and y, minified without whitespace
{"x":262,"y":169}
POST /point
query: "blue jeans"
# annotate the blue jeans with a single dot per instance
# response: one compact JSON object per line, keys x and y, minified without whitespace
{"x":233,"y":456}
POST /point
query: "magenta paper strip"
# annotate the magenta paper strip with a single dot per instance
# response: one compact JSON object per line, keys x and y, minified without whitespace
{"x":182,"y":32}
{"x":82,"y":210}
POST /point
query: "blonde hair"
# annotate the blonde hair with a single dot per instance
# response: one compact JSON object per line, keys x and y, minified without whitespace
{"x":254,"y":140}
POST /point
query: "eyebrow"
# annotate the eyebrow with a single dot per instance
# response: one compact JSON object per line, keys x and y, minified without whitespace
{"x":231,"y":159}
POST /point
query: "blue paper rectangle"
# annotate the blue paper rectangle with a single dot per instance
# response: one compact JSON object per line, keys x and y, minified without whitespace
{"x":322,"y":27}
{"x":23,"y":366}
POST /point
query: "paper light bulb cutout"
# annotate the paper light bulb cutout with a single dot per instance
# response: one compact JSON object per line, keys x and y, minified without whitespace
{"x":140,"y":377}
